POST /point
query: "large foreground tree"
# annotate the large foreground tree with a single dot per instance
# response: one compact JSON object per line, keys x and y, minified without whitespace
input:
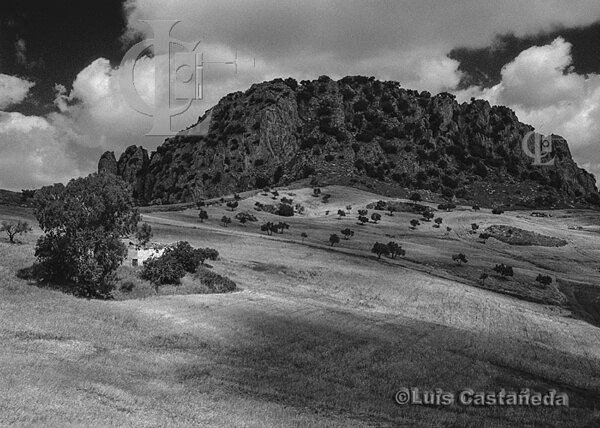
{"x":84,"y":222}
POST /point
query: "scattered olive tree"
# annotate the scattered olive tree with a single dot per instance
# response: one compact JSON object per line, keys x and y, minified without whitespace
{"x":347,"y":233}
{"x":202,"y":215}
{"x":14,"y":228}
{"x":362,"y":219}
{"x":380,"y":249}
{"x":375,"y":217}
{"x":395,"y":249}
{"x":225,"y":220}
{"x":504,"y":270}
{"x":334,"y":239}
{"x":414,"y":223}
{"x":459,"y":258}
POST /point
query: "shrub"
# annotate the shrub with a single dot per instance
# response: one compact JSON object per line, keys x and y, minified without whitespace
{"x":347,"y":233}
{"x":188,"y":257}
{"x":416,"y":197}
{"x":375,"y":217}
{"x":303,"y":235}
{"x":438,"y":221}
{"x":414,"y":223}
{"x":341,"y":213}
{"x":446,"y":206}
{"x":285,"y":210}
{"x":14,"y":228}
{"x":474,"y":227}
{"x":165,"y":269}
{"x":497,"y":211}
{"x":459,"y":258}
{"x":428,"y":215}
{"x":84,"y":222}
{"x":245,"y":217}
{"x":215,"y":282}
{"x":544,"y":280}
{"x":225,"y":220}
{"x":504,"y":270}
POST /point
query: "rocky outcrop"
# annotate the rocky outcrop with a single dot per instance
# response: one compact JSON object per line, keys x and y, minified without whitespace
{"x":356,"y":131}
{"x":108,"y":163}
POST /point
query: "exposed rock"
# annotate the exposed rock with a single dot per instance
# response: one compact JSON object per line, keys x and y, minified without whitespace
{"x":108,"y":163}
{"x":356,"y":131}
{"x":133,"y":168}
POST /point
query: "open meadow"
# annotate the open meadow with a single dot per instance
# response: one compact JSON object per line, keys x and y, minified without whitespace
{"x":316,"y":335}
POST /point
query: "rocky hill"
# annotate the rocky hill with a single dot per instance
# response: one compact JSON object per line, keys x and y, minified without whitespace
{"x":356,"y":131}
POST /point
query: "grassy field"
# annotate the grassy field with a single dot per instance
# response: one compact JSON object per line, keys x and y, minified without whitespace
{"x":316,"y":336}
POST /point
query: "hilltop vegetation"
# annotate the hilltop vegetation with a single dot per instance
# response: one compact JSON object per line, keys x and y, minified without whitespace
{"x":356,"y":131}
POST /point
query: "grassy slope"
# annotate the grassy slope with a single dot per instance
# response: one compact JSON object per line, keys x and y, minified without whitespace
{"x":317,"y":337}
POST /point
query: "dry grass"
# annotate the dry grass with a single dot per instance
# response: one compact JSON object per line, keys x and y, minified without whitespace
{"x":317,"y":337}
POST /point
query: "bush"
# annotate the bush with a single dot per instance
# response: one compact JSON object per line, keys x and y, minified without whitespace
{"x":285,"y":210}
{"x":215,"y":282}
{"x":165,"y":269}
{"x":504,"y":270}
{"x":544,"y":280}
{"x":187,"y":256}
{"x":175,"y":262}
{"x":497,"y":211}
{"x":416,"y":197}
{"x":459,"y":258}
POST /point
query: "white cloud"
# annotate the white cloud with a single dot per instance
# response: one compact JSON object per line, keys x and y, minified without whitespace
{"x":34,"y":152}
{"x":540,"y":86}
{"x":399,"y":40}
{"x":13,"y":90}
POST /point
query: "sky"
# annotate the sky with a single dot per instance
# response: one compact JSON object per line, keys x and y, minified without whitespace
{"x":61,"y":104}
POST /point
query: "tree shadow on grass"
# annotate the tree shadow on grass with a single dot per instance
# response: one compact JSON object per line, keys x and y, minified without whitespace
{"x":37,"y":276}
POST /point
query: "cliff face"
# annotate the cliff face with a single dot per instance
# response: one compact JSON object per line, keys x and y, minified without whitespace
{"x":356,"y":131}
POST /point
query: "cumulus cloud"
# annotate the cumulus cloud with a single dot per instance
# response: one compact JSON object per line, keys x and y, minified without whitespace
{"x":13,"y":90}
{"x":401,"y":40}
{"x":540,"y":86}
{"x":34,"y":152}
